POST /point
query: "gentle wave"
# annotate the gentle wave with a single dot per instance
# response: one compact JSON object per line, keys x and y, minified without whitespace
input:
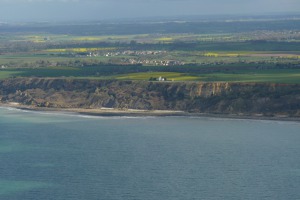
{"x":9,"y":108}
{"x":74,"y":114}
{"x":86,"y":116}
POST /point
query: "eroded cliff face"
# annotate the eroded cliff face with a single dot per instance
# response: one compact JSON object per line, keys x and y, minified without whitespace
{"x":225,"y":98}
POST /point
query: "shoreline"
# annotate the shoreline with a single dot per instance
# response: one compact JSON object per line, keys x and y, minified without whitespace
{"x":110,"y":112}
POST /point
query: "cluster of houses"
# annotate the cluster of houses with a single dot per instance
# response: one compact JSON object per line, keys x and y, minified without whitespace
{"x":139,"y":59}
{"x":148,"y":60}
{"x":92,"y":54}
{"x":153,"y":62}
{"x":158,"y":79}
{"x":134,"y":53}
{"x":123,"y":53}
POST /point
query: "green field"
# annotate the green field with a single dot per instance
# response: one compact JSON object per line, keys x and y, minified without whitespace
{"x":9,"y":74}
{"x":286,"y":76}
{"x":271,"y":76}
{"x":171,"y":76}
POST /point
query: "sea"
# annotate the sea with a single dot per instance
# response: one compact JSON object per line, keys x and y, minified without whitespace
{"x":64,"y":156}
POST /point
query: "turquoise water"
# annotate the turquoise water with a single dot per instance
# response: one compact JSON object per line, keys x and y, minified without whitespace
{"x":63,"y":157}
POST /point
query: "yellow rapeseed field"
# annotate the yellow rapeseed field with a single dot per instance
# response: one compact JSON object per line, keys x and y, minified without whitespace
{"x":213,"y":54}
{"x":165,"y":39}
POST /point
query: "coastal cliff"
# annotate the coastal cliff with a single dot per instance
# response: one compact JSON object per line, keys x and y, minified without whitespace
{"x":260,"y":99}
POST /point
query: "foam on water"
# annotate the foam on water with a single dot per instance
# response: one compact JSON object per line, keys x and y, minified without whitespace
{"x":73,"y":114}
{"x":79,"y":115}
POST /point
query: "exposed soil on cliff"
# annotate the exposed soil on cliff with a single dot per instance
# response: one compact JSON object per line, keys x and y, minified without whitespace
{"x":261,"y":99}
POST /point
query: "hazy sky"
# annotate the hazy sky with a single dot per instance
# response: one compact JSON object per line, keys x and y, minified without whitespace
{"x":64,"y":10}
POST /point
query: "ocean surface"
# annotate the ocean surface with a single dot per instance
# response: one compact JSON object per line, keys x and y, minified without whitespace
{"x":59,"y":156}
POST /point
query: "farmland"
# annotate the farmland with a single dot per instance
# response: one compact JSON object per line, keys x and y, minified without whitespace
{"x":176,"y":51}
{"x":120,"y":73}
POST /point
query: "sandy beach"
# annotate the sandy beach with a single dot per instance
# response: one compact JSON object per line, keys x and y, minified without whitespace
{"x":139,"y":113}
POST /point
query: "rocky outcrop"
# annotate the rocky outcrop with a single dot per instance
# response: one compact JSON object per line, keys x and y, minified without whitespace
{"x":225,"y":98}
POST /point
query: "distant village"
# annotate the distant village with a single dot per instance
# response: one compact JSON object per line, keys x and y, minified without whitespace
{"x":152,"y":62}
{"x":135,"y":53}
{"x":140,"y":59}
{"x":124,"y":53}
